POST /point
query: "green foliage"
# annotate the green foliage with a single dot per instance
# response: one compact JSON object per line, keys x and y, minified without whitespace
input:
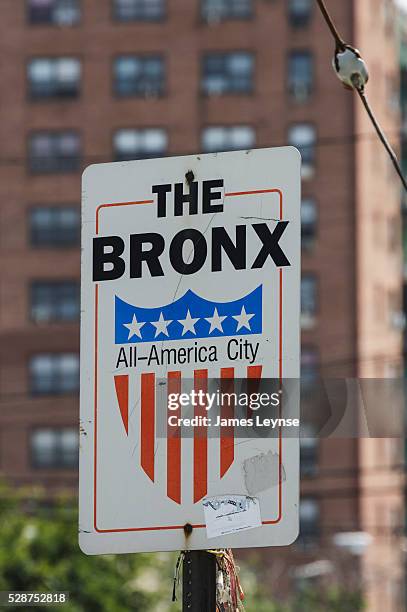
{"x":39,"y":553}
{"x":315,"y":599}
{"x":333,"y":599}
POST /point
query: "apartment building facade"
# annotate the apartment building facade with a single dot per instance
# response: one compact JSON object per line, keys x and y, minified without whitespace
{"x":85,"y":81}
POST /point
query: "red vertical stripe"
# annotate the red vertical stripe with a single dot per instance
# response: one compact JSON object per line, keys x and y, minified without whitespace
{"x":227,"y":442}
{"x":174,"y":443}
{"x":200,"y":440}
{"x":147,"y":427}
{"x":253,"y":378}
{"x":122,"y":391}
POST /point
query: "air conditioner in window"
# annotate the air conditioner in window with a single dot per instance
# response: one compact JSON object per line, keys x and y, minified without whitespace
{"x":213,"y":16}
{"x":215,"y":90}
{"x":65,"y":16}
{"x":307,"y":320}
{"x":300,"y":91}
{"x":398,"y":320}
{"x":307,"y":169}
{"x":151,"y":91}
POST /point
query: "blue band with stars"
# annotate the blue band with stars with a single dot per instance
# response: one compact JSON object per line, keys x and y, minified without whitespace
{"x":189,"y":317}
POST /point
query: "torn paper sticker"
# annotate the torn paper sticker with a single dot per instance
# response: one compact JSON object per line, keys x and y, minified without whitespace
{"x":262,"y":472}
{"x":230,"y":513}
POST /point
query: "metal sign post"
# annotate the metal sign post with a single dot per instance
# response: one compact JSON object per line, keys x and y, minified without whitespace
{"x":199,"y":582}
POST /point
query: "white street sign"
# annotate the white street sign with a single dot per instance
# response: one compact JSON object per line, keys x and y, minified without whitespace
{"x":190,"y":273}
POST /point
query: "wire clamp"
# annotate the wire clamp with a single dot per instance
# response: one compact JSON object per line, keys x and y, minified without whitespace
{"x":350,"y":68}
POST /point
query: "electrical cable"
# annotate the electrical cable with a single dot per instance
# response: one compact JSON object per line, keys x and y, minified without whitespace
{"x":344,"y":361}
{"x":381,"y":135}
{"x":357,"y":82}
{"x":340,"y":43}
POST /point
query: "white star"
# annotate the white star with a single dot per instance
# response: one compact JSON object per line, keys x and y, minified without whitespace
{"x":215,"y":321}
{"x":134,"y":327}
{"x":243,"y":319}
{"x":161,"y":326}
{"x":188,"y":323}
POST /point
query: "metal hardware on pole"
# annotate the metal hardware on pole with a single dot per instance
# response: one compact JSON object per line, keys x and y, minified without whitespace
{"x":199,"y":581}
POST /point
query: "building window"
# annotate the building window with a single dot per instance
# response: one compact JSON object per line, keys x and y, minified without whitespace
{"x":54,"y":226}
{"x":227,"y":73}
{"x":137,"y":144}
{"x":309,"y":219}
{"x":214,"y":11}
{"x":308,"y":451}
{"x":393,"y":93}
{"x":139,"y":10}
{"x":54,"y":77}
{"x":54,"y":152}
{"x":54,"y":301}
{"x":308,"y":300}
{"x":300,"y":75}
{"x":139,"y":76}
{"x":232,"y":138}
{"x":303,"y":136}
{"x":309,"y":368}
{"x":397,"y":318}
{"x":54,"y":373}
{"x":309,"y":520}
{"x":55,"y":448}
{"x":57,"y":12}
{"x":394,"y":233}
{"x":299,"y":12}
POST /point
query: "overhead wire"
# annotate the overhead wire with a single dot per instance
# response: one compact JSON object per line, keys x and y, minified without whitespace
{"x":321,"y":141}
{"x":393,"y":157}
{"x":358,"y":86}
{"x":340,"y":43}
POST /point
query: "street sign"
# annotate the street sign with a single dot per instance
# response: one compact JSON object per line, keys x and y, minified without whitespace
{"x":190,"y":283}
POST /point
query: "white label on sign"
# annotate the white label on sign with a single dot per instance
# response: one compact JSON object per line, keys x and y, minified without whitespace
{"x":230,"y":513}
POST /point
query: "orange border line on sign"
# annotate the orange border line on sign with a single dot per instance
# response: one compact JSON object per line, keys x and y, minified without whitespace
{"x":280,"y":359}
{"x":118,"y":204}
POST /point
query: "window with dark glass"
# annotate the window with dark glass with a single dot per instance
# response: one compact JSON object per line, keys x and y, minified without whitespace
{"x":308,"y":300}
{"x":216,"y":10}
{"x":54,"y":226}
{"x":54,"y":152}
{"x":300,"y":75}
{"x":138,"y":10}
{"x":139,"y":144}
{"x":54,"y":447}
{"x":230,"y":72}
{"x":139,"y":75}
{"x":54,"y":301}
{"x":227,"y":138}
{"x":57,"y":12}
{"x":309,"y":220}
{"x":54,"y":373}
{"x":309,"y":367}
{"x":57,"y":77}
{"x":303,"y":136}
{"x":309,"y":520}
{"x":299,"y":12}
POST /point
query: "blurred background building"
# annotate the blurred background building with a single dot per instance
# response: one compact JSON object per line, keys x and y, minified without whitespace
{"x":85,"y":81}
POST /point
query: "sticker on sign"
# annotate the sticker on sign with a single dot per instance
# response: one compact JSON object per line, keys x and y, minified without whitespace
{"x":231,"y":513}
{"x":190,"y":275}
